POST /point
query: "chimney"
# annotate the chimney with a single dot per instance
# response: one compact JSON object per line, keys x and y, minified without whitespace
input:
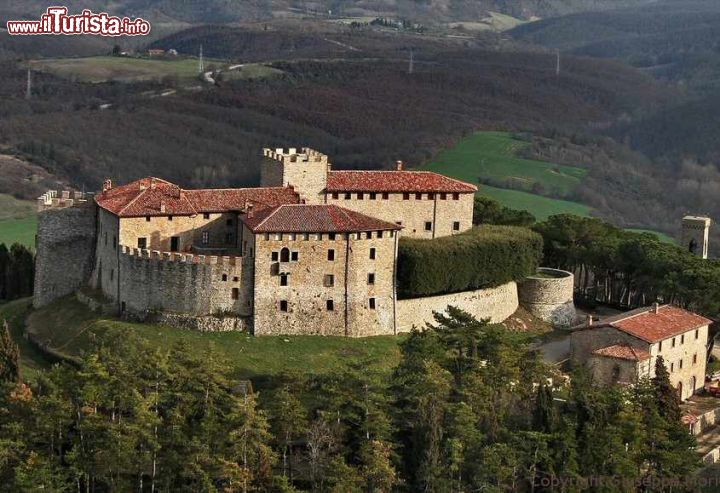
{"x":107,"y":185}
{"x":589,"y":320}
{"x":249,"y":211}
{"x":162,"y":206}
{"x":656,"y":307}
{"x":152,"y":183}
{"x":400,"y":165}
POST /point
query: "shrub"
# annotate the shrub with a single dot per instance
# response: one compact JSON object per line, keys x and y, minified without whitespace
{"x":484,"y":257}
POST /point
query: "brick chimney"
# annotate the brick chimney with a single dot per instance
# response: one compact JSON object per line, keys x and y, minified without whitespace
{"x":162,"y":206}
{"x":400,"y":165}
{"x":249,"y":210}
{"x":107,"y":185}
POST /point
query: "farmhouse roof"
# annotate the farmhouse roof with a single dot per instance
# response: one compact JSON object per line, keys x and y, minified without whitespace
{"x":395,"y":181}
{"x":623,"y":351}
{"x":654,"y":324}
{"x":301,"y":218}
{"x":156,"y":197}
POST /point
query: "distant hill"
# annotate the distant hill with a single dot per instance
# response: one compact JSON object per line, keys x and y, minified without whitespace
{"x":222,"y":11}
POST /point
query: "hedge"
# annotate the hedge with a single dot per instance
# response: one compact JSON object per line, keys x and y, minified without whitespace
{"x":484,"y":257}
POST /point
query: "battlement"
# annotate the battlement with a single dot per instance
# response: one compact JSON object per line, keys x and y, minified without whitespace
{"x":61,"y":199}
{"x":696,"y":222}
{"x":187,"y":258}
{"x":293,"y":155}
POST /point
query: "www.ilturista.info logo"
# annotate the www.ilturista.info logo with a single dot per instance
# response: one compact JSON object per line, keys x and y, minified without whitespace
{"x":57,"y":21}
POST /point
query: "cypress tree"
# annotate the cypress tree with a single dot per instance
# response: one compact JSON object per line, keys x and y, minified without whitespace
{"x":666,"y":396}
{"x":544,"y":412}
{"x":9,"y":356}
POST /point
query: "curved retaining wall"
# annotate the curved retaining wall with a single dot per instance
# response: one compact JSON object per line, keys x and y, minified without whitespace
{"x":497,"y":304}
{"x":550,"y":296}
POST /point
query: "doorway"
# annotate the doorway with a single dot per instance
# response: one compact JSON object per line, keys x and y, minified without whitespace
{"x":174,"y":243}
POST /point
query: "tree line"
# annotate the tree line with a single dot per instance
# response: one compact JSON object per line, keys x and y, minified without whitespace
{"x":468,"y":408}
{"x":17,"y":272}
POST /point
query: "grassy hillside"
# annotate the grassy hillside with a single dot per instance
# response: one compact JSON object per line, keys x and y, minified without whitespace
{"x":69,"y":327}
{"x":104,"y":68}
{"x":18,"y":221}
{"x":492,"y":157}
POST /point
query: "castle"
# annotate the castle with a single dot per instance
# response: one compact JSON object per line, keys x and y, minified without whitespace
{"x":312,"y":250}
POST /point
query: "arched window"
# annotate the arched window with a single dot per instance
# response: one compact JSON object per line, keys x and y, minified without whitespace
{"x":285,"y":255}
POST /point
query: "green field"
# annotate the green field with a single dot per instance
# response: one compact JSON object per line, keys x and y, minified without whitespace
{"x":18,"y":221}
{"x":103,"y":68}
{"x":69,"y":327}
{"x":661,"y":236}
{"x":493,"y":155}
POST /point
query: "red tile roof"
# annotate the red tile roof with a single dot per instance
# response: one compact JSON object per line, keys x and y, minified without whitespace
{"x":653,"y":327}
{"x":623,"y":351}
{"x":395,"y":181}
{"x":155,"y":197}
{"x":301,"y":218}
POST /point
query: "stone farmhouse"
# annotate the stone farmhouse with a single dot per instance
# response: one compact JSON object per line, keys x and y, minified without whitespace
{"x":624,"y":348}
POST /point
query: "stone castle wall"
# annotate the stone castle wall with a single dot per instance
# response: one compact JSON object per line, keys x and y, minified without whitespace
{"x":309,"y":288}
{"x":549,"y":296}
{"x":198,"y":285}
{"x":497,"y":304}
{"x":65,"y":249}
{"x":413,"y":211}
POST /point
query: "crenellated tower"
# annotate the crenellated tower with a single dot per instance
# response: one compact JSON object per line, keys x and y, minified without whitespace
{"x":306,"y":170}
{"x":695,"y":234}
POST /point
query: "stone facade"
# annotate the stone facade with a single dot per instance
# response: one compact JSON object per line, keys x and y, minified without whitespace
{"x":496,"y":304}
{"x":323,"y":284}
{"x":65,"y":249}
{"x":304,"y":170}
{"x":549,"y":296}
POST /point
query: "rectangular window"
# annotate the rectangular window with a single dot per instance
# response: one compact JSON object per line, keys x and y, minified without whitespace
{"x":673,"y":342}
{"x":681,"y":364}
{"x":371,"y":278}
{"x":380,"y":234}
{"x":368,"y":235}
{"x":348,"y":196}
{"x":373,"y":196}
{"x":112,"y":274}
{"x":335,"y":196}
{"x":329,"y":280}
{"x":205,"y":237}
{"x":331,"y":236}
{"x":672,"y":367}
{"x":682,"y":339}
{"x":294,"y":256}
{"x":283,"y":305}
{"x":274,"y":256}
{"x":443,"y":196}
{"x":206,"y":215}
{"x":695,"y":359}
{"x":456,"y":196}
{"x":371,"y":303}
{"x":170,"y":218}
{"x":360,"y":196}
{"x":406,"y":196}
{"x":428,"y":225}
{"x":224,"y":277}
{"x":331,"y":254}
{"x":418,"y":196}
{"x":372,"y":254}
{"x":697,"y":333}
{"x":456,"y":226}
{"x":660,"y":347}
{"x":431,"y":196}
{"x":235,"y":293}
{"x":142,"y":243}
{"x":147,"y":218}
{"x":283,"y":279}
{"x":330,"y":305}
{"x":386,"y":196}
{"x":236,"y":279}
{"x":114,"y":242}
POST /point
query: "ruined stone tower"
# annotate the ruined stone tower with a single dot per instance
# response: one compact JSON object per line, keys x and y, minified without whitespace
{"x":695,"y":234}
{"x":305,"y":170}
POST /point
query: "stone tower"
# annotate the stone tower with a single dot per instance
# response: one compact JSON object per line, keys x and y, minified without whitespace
{"x":306,"y":170}
{"x":695,"y":234}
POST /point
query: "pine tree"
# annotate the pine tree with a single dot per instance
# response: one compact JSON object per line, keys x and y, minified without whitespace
{"x":544,"y":412}
{"x":9,"y":356}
